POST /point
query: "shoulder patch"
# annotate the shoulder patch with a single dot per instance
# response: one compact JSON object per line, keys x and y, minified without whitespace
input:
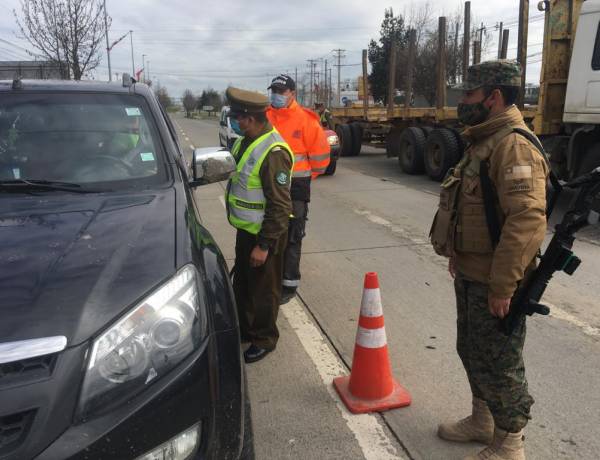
{"x":282,"y":177}
{"x":517,"y":172}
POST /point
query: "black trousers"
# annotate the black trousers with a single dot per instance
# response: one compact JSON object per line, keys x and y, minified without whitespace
{"x":293,"y":251}
{"x":258,"y":291}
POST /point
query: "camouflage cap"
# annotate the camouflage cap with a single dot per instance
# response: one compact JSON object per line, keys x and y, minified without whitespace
{"x":501,"y":72}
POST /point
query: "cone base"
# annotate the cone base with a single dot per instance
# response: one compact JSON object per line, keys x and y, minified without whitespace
{"x":398,"y":398}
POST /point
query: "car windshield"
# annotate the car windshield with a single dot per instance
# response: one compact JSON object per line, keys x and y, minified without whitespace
{"x":107,"y":141}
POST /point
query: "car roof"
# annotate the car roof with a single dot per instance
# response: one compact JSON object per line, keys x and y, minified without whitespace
{"x":88,"y":86}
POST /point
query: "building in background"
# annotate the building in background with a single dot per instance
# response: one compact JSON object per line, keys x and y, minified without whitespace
{"x":32,"y":70}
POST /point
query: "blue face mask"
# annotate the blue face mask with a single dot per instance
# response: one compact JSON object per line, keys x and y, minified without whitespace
{"x":279,"y":101}
{"x":236,"y":127}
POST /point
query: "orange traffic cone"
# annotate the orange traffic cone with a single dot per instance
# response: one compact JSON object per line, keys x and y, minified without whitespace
{"x":371,"y":386}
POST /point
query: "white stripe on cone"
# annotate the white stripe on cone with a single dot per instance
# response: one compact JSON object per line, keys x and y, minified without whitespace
{"x":371,"y":303}
{"x":371,"y":338}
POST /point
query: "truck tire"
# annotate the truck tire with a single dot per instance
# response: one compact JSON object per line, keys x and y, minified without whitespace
{"x":345,"y":136}
{"x":590,"y":160}
{"x":330,"y":171}
{"x":441,"y":153}
{"x":426,"y":130}
{"x":357,"y":132}
{"x":391,"y":143}
{"x":411,"y":146}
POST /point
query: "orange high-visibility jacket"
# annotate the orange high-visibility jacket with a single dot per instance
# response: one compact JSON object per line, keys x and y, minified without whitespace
{"x":302,"y":131}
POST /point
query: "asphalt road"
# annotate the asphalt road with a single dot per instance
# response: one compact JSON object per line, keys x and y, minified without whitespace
{"x":372,"y":217}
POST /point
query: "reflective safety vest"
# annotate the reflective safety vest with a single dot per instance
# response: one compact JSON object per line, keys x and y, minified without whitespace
{"x":246,"y":201}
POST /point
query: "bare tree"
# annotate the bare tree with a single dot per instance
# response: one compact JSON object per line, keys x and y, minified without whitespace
{"x":163,"y":96}
{"x":67,"y":32}
{"x":189,"y":102}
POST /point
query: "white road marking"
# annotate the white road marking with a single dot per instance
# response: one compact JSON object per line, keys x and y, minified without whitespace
{"x":371,"y":437}
{"x":367,"y":429}
{"x":558,"y":313}
{"x":386,"y":223}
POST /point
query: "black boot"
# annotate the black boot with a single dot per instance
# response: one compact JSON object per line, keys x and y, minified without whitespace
{"x":287,"y":294}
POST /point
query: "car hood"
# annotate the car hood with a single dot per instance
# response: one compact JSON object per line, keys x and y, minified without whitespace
{"x":70,"y":264}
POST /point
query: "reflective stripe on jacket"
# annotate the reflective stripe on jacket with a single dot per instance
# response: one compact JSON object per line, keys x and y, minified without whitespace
{"x":302,"y":130}
{"x":245,"y":198}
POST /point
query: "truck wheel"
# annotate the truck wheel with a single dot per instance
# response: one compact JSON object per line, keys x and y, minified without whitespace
{"x":590,"y":160}
{"x":411,"y":145}
{"x":330,"y":171}
{"x":356,"y":131}
{"x":426,"y":130}
{"x":345,"y":136}
{"x":441,"y":153}
{"x":391,"y":143}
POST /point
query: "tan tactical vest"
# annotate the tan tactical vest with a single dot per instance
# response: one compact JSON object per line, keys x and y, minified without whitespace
{"x":460,"y":223}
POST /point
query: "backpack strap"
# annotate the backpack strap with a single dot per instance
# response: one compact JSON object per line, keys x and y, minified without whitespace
{"x":557,"y":185}
{"x":489,"y":193}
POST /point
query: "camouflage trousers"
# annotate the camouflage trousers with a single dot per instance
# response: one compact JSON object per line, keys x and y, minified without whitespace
{"x":493,"y":361}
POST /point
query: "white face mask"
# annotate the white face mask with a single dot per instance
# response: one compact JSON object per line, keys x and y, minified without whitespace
{"x":279,"y":101}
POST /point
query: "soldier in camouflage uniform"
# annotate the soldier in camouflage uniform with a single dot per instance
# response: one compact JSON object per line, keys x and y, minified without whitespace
{"x":486,"y":275}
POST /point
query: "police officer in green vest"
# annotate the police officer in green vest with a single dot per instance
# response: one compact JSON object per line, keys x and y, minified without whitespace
{"x":259,"y":207}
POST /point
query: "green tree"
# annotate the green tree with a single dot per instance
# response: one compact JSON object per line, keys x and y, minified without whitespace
{"x":210,"y":97}
{"x":392,"y":28}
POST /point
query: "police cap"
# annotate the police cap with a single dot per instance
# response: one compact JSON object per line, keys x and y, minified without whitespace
{"x":242,"y":101}
{"x":500,"y":72}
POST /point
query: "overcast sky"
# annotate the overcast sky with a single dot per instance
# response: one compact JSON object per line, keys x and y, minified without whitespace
{"x":208,"y":43}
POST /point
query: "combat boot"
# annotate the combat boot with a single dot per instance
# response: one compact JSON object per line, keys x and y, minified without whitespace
{"x":505,"y":446}
{"x":479,"y":426}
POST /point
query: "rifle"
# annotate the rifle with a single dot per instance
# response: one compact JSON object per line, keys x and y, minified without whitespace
{"x":559,"y":256}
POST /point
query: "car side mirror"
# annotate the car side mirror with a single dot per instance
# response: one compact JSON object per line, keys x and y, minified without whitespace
{"x":210,"y":165}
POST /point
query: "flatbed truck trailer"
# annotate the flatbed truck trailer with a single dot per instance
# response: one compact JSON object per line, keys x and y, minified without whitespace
{"x":566,"y":118}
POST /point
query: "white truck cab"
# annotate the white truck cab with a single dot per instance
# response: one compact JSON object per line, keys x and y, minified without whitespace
{"x":582,"y":103}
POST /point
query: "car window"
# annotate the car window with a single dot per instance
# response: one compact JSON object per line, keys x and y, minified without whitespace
{"x":104,"y":139}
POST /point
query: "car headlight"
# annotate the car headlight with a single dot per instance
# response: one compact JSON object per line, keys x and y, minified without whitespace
{"x":333,"y":139}
{"x":156,"y":335}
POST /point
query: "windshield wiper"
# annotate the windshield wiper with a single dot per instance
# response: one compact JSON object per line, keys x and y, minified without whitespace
{"x":39,"y":184}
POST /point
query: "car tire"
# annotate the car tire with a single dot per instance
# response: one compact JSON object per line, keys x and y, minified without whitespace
{"x":410,"y":147}
{"x":330,"y":171}
{"x":442,"y":152}
{"x":247,"y":452}
{"x":356,"y":133}
{"x":344,"y":134}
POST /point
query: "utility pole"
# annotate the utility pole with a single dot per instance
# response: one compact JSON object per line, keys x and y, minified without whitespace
{"x":466,"y":39}
{"x":296,"y":75}
{"x":132,"y":61}
{"x":339,"y":82}
{"x":312,"y":63}
{"x":365,"y":82}
{"x":412,"y":43}
{"x":329,"y":101}
{"x":500,"y":31}
{"x":144,"y":67}
{"x":325,"y":85}
{"x":107,"y":44}
{"x":148,"y":63}
{"x":392,"y":78}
